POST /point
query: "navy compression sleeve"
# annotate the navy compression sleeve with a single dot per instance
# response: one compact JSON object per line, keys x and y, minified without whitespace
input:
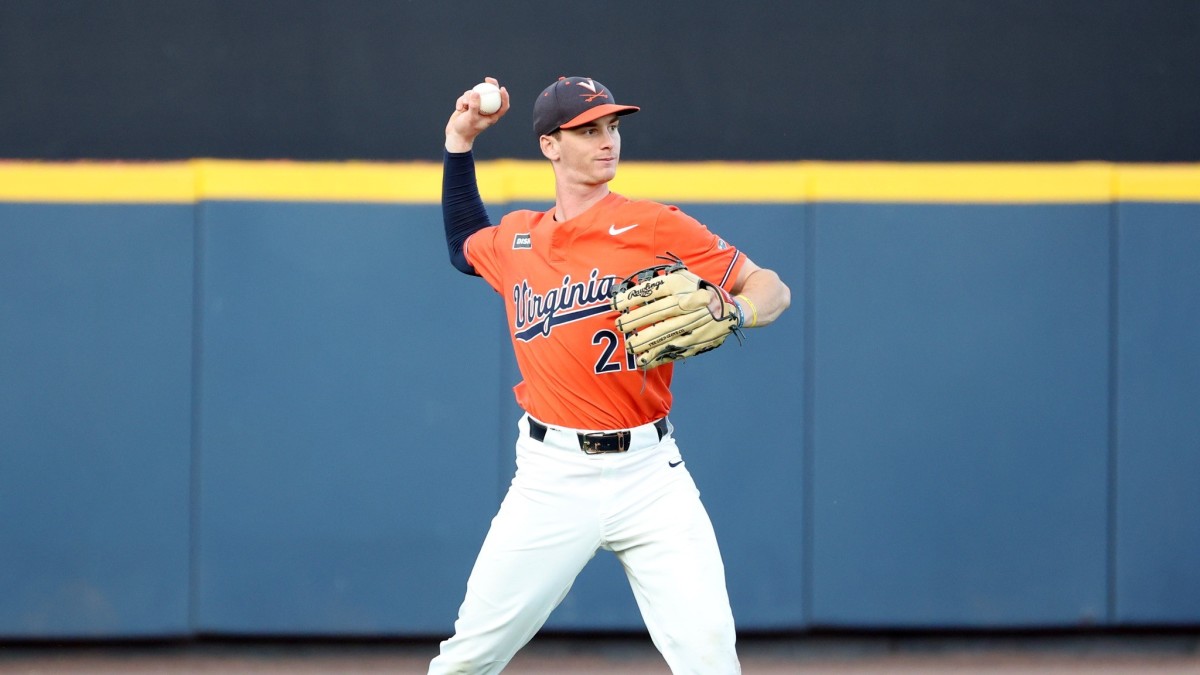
{"x":462,"y":208}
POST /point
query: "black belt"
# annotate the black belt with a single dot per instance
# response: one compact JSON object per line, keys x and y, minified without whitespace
{"x":600,"y":441}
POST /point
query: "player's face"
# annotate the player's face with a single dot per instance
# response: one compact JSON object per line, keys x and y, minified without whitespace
{"x":590,"y":153}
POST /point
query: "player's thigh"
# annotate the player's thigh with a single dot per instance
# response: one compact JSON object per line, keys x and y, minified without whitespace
{"x":532,"y":549}
{"x":672,"y":557}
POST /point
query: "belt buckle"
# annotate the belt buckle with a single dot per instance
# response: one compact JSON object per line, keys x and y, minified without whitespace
{"x":592,"y":443}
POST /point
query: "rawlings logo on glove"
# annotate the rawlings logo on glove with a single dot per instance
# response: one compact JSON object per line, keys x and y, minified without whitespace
{"x":665,"y":314}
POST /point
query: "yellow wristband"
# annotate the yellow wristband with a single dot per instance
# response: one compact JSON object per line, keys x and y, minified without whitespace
{"x":753,"y":311}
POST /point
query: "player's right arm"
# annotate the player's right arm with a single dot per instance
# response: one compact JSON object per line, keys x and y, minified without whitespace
{"x":463,"y":213}
{"x":466,"y":122}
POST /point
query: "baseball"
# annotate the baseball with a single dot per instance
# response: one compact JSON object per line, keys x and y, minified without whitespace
{"x":489,"y":97}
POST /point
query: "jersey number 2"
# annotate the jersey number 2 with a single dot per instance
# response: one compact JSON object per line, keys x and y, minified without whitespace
{"x":606,"y":363}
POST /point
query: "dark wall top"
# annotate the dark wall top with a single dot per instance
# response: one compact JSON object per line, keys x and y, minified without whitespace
{"x":919,"y":80}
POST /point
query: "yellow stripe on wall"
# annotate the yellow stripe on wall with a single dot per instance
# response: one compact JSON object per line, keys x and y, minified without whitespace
{"x":971,"y":183}
{"x":1158,"y":182}
{"x":416,"y":182}
{"x":750,"y":182}
{"x":682,"y":182}
{"x":507,"y":180}
{"x":98,"y":182}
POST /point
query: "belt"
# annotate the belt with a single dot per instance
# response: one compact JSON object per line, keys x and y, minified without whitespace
{"x":598,"y":442}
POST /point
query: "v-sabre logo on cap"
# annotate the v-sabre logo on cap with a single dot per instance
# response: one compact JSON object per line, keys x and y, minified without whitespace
{"x":574,"y":101}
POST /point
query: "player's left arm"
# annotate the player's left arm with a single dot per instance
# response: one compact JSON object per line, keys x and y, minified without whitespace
{"x":761,"y":294}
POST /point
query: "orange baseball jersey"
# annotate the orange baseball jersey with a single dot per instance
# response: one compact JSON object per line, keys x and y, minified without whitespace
{"x":556,"y":279}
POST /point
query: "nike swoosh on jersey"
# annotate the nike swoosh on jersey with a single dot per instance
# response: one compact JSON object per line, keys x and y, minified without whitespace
{"x":614,"y":231}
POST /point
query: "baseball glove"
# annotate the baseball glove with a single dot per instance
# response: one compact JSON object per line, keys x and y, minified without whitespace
{"x":665,"y":315}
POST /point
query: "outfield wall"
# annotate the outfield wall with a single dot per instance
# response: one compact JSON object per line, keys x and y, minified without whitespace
{"x":243,"y":398}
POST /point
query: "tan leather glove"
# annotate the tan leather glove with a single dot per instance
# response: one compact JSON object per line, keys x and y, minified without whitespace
{"x":665,"y":315}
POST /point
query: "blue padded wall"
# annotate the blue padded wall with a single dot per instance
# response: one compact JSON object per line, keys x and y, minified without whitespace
{"x":960,"y":415}
{"x":1157,"y":539}
{"x":349,"y":421}
{"x":972,"y":416}
{"x":95,"y":419}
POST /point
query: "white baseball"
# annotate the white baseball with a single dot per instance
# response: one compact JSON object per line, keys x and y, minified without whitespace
{"x":489,"y":97}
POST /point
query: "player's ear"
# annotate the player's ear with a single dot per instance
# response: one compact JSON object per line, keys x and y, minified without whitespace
{"x":549,"y":145}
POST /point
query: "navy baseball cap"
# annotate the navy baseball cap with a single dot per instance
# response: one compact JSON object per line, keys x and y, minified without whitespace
{"x":572,"y":102}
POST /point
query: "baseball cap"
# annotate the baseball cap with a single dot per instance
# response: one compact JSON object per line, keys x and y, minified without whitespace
{"x":572,"y":102}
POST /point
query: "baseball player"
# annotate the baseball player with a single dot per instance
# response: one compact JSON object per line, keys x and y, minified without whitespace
{"x":597,"y":463}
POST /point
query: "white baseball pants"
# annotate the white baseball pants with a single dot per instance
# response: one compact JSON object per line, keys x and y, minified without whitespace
{"x":562,"y":506}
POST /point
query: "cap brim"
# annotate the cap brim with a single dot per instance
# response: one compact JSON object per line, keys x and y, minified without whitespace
{"x":592,"y":114}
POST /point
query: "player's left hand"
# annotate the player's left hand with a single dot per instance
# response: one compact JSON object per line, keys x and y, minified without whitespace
{"x":668,"y":313}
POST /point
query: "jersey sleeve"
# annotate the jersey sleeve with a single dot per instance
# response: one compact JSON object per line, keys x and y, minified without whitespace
{"x":481,"y":252}
{"x":707,"y":255}
{"x":490,"y":250}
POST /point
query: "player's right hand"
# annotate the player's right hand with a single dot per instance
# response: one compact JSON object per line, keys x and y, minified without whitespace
{"x":466,"y":122}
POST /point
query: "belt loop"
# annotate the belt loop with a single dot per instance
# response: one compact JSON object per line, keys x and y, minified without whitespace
{"x":537,"y":430}
{"x":661,"y":427}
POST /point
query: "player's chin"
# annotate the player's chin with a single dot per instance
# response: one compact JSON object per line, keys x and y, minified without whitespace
{"x":606,"y":169}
